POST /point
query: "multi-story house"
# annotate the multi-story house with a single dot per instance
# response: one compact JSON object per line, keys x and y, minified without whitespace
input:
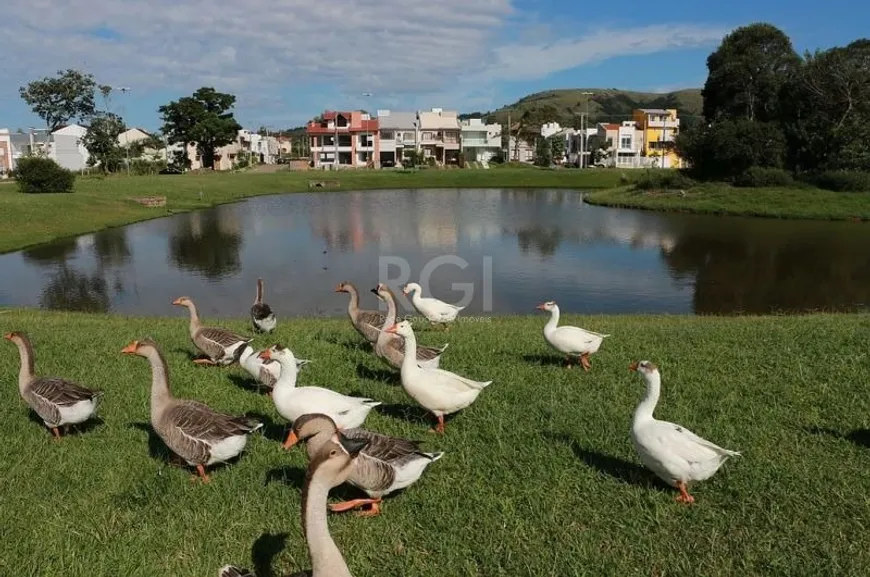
{"x":660,"y":128}
{"x":480,"y":142}
{"x":66,"y":147}
{"x":398,"y":135}
{"x":5,"y":153}
{"x":340,"y":138}
{"x":439,"y":135}
{"x":623,"y":144}
{"x":520,"y":150}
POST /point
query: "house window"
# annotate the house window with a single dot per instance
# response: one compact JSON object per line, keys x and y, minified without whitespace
{"x":625,"y":142}
{"x":428,"y":136}
{"x":344,"y":140}
{"x":387,"y":134}
{"x":341,"y":122}
{"x":328,"y":140}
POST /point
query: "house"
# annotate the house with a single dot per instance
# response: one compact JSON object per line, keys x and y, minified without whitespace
{"x":398,"y":136}
{"x":623,"y":145}
{"x":520,"y":150}
{"x":343,"y":138}
{"x":263,"y":149}
{"x":480,"y":142}
{"x":66,"y":147}
{"x":285,"y":145}
{"x":132,"y":135}
{"x":660,"y":128}
{"x":439,"y":135}
{"x":5,"y":153}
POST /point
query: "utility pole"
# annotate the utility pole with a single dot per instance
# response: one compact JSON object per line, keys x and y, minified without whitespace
{"x":508,"y":148}
{"x":584,"y":124}
{"x":368,"y":95}
{"x":125,"y":90}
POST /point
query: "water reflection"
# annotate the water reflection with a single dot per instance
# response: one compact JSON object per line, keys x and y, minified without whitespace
{"x":208,"y":243}
{"x":542,"y":244}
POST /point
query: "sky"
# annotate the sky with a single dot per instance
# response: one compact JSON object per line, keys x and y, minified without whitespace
{"x":288,"y":60}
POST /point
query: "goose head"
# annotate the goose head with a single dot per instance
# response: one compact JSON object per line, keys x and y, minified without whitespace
{"x":279,"y":353}
{"x":410,"y":288}
{"x":141,"y":348}
{"x":335,"y":459}
{"x":548,"y":306}
{"x":403,"y":329}
{"x":315,"y":429}
{"x":183,"y":302}
{"x":344,"y":287}
{"x":645,"y":368}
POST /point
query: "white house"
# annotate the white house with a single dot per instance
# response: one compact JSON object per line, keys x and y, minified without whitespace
{"x":5,"y":152}
{"x":132,"y":135}
{"x":398,"y":135}
{"x":67,"y":149}
{"x":480,"y":142}
{"x":520,"y":150}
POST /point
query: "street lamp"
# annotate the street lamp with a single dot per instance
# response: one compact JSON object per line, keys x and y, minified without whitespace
{"x":584,"y":123}
{"x":368,"y":153}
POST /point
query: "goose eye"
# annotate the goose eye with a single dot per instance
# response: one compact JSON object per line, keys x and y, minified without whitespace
{"x":333,"y":453}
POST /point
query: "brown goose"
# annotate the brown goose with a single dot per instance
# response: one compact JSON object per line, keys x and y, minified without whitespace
{"x":222,"y":347}
{"x":57,"y":401}
{"x":391,"y":347}
{"x":387,"y":464}
{"x":262,"y":317}
{"x":329,"y":468}
{"x":192,"y":430}
{"x":367,"y":323}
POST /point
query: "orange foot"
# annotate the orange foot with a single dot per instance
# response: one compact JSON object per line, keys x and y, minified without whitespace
{"x":684,"y":496}
{"x":375,"y":508}
{"x":204,"y":362}
{"x":584,"y":360}
{"x":439,"y":428}
{"x":56,"y":433}
{"x":201,"y":470}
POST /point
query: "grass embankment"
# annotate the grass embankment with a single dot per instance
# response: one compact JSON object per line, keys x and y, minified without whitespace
{"x":797,"y":203}
{"x":98,"y":203}
{"x":539,"y":476}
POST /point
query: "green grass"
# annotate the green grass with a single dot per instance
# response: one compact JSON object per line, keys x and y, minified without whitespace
{"x":99,"y":203}
{"x":795,"y":203}
{"x":539,"y":476}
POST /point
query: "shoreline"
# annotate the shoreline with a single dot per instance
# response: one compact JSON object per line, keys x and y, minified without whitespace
{"x":724,"y":200}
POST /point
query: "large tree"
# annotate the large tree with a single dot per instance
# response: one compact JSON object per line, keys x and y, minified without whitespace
{"x":746,"y":74}
{"x":828,"y":110}
{"x":68,"y":96}
{"x":204,"y":119}
{"x":101,"y":141}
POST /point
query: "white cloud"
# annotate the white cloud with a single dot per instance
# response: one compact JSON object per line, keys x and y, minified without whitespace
{"x":414,"y":49}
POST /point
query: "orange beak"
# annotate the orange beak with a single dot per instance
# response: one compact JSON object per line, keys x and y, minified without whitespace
{"x":176,"y":302}
{"x":8,"y":336}
{"x":541,"y":306}
{"x":338,"y":289}
{"x":393,"y":328}
{"x":130,"y":349}
{"x":632,"y":366}
{"x":265,"y":355}
{"x":292,"y":439}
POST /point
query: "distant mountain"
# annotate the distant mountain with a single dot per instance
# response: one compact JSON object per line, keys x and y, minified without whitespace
{"x":605,"y":105}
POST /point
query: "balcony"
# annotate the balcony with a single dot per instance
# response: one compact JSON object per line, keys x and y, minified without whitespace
{"x":480,"y":142}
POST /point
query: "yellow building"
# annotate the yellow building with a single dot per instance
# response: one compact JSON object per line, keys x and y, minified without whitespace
{"x":659,"y":128}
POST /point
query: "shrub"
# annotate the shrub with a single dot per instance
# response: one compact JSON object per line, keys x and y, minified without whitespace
{"x":142,"y":166}
{"x":760,"y":176}
{"x":664,"y":179}
{"x":36,"y":175}
{"x":841,"y":180}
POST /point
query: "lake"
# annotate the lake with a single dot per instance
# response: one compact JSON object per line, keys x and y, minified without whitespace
{"x":518,"y":248}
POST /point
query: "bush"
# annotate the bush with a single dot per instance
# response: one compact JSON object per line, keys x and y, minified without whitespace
{"x":841,"y":180}
{"x":36,"y":175}
{"x":663,"y":179}
{"x":760,"y":176}
{"x":142,"y":166}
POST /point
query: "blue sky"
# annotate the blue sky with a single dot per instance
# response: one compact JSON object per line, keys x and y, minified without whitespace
{"x":287,"y":61}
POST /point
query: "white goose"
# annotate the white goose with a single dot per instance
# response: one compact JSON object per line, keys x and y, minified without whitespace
{"x":437,"y":311}
{"x":292,"y":402}
{"x":264,"y":372}
{"x":436,"y":390}
{"x":677,"y":455}
{"x":570,"y":341}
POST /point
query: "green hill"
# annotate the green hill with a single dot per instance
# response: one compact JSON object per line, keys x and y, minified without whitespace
{"x":605,"y":105}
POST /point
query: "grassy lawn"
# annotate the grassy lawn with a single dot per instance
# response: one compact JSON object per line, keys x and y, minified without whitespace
{"x":724,"y":199}
{"x":539,"y":476}
{"x":104,"y":202}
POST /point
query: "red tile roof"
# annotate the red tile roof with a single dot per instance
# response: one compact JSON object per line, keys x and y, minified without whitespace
{"x":610,"y":126}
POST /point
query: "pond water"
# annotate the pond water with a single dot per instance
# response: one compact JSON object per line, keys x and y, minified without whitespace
{"x":518,"y":248}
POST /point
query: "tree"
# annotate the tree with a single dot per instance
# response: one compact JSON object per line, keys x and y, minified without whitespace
{"x":101,"y":141}
{"x":746,"y":74}
{"x":204,"y":119}
{"x":543,"y":152}
{"x":730,"y":147}
{"x":58,"y":100}
{"x":828,"y":110}
{"x":557,"y":147}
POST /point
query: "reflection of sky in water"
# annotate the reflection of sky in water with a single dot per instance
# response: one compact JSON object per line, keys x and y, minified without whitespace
{"x":542,"y":245}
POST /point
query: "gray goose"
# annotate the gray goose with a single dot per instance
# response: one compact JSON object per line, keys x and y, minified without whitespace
{"x":222,"y":347}
{"x":58,"y":402}
{"x":262,"y":316}
{"x":192,"y":430}
{"x":329,"y":468}
{"x":391,"y":347}
{"x":368,"y":323}
{"x":385,"y":465}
